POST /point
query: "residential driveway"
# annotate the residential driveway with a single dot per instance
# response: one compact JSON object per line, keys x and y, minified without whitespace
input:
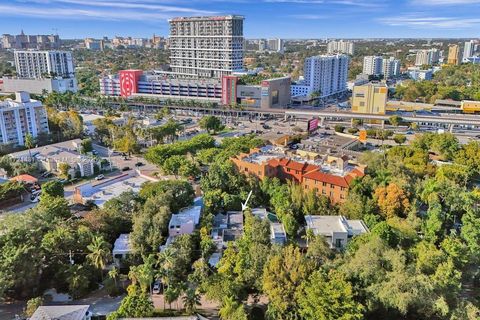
{"x":208,"y":308}
{"x":100,"y":303}
{"x":10,"y":310}
{"x":120,"y":162}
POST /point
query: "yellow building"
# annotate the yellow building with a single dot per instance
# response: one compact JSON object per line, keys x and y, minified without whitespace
{"x":469,"y":106}
{"x":370,"y":98}
{"x":453,"y":54}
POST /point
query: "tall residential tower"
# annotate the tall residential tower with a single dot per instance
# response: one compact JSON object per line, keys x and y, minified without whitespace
{"x":341,"y":46}
{"x":453,"y":54}
{"x":372,"y":65}
{"x":326,"y":75}
{"x":38,"y":64}
{"x":206,"y":47}
{"x":20,"y":117}
{"x":468,"y":50}
{"x":427,"y":57}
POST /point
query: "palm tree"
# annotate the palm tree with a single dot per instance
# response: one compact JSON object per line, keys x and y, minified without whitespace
{"x":191,"y":300}
{"x":99,"y":253}
{"x":309,"y":235}
{"x":29,"y":143}
{"x":170,"y":295}
{"x":113,"y":274}
{"x":229,"y":306}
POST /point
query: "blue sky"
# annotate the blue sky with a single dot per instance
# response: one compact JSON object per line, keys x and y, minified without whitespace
{"x":263,"y":18}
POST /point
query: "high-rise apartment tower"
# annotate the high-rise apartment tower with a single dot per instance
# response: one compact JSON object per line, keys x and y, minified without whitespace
{"x":39,"y":64}
{"x":372,"y":65}
{"x":453,"y":54}
{"x":206,"y":47}
{"x":427,"y":57}
{"x":326,"y":75}
{"x":468,"y":50}
{"x":341,"y":46}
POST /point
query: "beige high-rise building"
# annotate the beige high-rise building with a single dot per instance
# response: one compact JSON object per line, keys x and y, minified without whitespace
{"x":453,"y":54}
{"x":370,"y":98}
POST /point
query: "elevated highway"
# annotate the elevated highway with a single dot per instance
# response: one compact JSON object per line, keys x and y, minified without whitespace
{"x":442,"y":118}
{"x":439,"y":118}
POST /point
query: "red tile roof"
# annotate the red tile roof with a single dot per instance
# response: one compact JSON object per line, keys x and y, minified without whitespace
{"x":24,"y":178}
{"x":328,"y":178}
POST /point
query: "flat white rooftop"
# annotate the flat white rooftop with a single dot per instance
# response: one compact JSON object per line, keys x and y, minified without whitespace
{"x":122,"y":244}
{"x":101,"y":193}
{"x":327,"y":225}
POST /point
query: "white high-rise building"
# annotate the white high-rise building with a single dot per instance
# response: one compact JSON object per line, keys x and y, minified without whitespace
{"x":391,"y":67}
{"x":262,"y":45}
{"x":372,"y":65}
{"x":40,"y":64}
{"x":206,"y":47}
{"x":341,"y":46}
{"x":427,"y":57}
{"x":20,"y":117}
{"x":275,"y":45}
{"x":468,"y":50}
{"x":326,"y":75}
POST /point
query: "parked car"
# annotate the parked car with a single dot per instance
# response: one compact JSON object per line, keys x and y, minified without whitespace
{"x":100,"y":177}
{"x":139,"y":164}
{"x":125,"y":168}
{"x":35,"y":198}
{"x":157,"y":287}
{"x":46,"y":174}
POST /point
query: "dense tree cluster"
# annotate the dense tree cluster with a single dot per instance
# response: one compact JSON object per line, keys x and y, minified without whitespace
{"x":419,"y":261}
{"x":452,"y":82}
{"x":49,"y":247}
{"x":178,"y":158}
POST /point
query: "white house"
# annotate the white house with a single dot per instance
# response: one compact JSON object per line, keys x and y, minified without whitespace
{"x":121,"y":248}
{"x":337,"y":230}
{"x":63,"y":312}
{"x":185,"y":221}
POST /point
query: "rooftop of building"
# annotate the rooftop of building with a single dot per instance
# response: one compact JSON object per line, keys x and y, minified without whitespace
{"x":327,"y":225}
{"x":278,"y":156}
{"x":186,"y":215}
{"x":324,"y":56}
{"x":122,"y":244}
{"x":101,"y":192}
{"x":377,"y":84}
{"x":63,"y":312}
{"x":226,"y":17}
{"x":22,"y":98}
{"x":66,"y":151}
{"x":328,"y":144}
{"x":256,"y":79}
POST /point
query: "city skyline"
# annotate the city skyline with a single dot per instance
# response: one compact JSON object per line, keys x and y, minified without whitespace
{"x":265,"y":18}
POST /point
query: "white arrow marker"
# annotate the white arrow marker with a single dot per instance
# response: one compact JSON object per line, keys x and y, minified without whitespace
{"x":244,"y":205}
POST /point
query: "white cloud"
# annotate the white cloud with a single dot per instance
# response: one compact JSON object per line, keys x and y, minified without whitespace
{"x":308,"y":16}
{"x":76,"y":13}
{"x":136,"y":5}
{"x":432,"y":22}
{"x":357,"y":3}
{"x":443,"y":2}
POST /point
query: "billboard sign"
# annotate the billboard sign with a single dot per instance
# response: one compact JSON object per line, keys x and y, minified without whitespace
{"x":312,"y":125}
{"x":129,"y":82}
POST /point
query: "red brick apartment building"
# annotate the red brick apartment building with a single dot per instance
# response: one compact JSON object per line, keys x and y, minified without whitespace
{"x":329,"y":176}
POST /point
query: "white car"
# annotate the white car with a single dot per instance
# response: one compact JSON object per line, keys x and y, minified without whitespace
{"x":99,"y":177}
